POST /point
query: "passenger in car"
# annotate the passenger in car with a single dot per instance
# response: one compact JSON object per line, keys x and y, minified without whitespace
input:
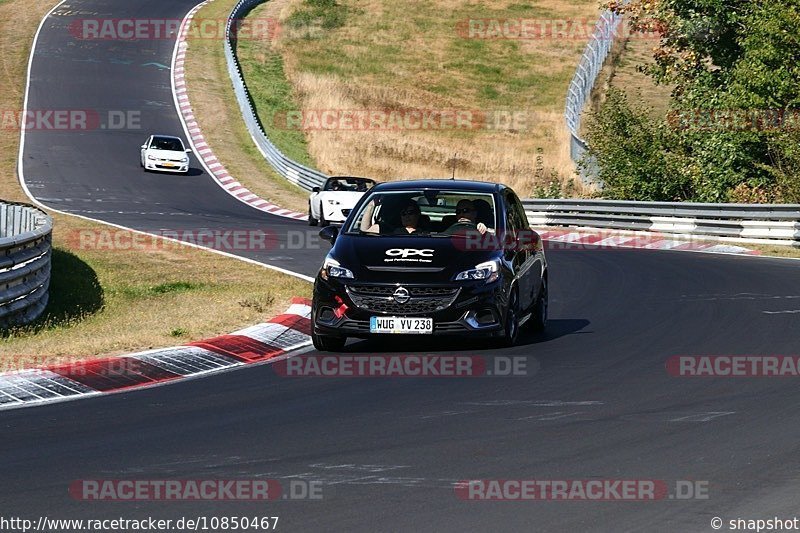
{"x":411,"y":219}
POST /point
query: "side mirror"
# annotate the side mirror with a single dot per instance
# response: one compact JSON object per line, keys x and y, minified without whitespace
{"x":314,"y":189}
{"x":144,"y":147}
{"x":188,"y":150}
{"x":329,"y":233}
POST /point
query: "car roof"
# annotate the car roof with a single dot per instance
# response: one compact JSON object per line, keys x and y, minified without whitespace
{"x":167,"y":137}
{"x":442,"y":185}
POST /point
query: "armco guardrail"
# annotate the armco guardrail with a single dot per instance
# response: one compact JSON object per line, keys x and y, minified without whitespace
{"x":580,"y":88}
{"x":773,"y":223}
{"x":25,"y":237}
{"x":291,"y":170}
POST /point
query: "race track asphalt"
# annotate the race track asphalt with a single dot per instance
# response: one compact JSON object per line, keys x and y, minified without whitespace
{"x":95,"y":172}
{"x":596,"y":401}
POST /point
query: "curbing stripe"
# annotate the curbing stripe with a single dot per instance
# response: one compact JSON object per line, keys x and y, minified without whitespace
{"x":259,"y":343}
{"x":206,"y":154}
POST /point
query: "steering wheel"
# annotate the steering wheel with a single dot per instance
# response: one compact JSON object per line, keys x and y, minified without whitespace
{"x":461,"y":225}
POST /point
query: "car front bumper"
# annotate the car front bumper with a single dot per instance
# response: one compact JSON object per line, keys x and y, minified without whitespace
{"x":335,"y":213}
{"x":472,"y":308}
{"x":160,"y":166}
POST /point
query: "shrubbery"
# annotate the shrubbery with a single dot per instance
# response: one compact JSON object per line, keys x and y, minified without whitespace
{"x":733,"y":131}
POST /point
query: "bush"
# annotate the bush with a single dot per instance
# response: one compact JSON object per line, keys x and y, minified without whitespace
{"x":639,"y":157}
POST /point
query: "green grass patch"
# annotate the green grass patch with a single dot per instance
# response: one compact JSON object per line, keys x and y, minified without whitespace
{"x":396,"y":50}
{"x":175,"y":286}
{"x":272,"y":98}
{"x":146,"y":291}
{"x":328,"y":14}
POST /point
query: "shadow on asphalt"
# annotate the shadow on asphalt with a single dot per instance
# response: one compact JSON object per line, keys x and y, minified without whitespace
{"x":392,"y":344}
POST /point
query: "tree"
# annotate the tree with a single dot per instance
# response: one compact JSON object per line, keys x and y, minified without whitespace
{"x":733,"y":113}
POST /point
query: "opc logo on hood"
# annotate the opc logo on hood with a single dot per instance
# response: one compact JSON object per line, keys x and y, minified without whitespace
{"x":409,"y":254}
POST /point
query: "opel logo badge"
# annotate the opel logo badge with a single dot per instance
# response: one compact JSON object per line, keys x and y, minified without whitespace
{"x":401,"y":295}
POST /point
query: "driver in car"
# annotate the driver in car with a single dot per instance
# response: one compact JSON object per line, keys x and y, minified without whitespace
{"x":467,"y":215}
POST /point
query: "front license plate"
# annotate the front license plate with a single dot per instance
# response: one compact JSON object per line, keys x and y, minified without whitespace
{"x":396,"y":324}
{"x":170,"y":165}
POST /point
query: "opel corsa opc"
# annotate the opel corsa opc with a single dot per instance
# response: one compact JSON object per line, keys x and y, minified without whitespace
{"x":431,"y":257}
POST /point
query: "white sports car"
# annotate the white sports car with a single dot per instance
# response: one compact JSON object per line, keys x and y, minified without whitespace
{"x":165,"y":153}
{"x":333,"y":202}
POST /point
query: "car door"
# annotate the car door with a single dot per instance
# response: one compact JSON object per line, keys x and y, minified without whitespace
{"x":530,"y":241}
{"x":517,"y":251}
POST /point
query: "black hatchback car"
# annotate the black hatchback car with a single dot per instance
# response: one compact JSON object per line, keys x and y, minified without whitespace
{"x":431,"y":257}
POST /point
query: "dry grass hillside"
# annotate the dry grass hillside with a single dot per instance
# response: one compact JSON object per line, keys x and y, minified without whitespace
{"x":394,"y":57}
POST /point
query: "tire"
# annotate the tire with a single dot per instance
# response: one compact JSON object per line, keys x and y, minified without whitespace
{"x":326,"y":343}
{"x":311,"y":220}
{"x":538,"y":320}
{"x":322,"y":222}
{"x":511,"y":324}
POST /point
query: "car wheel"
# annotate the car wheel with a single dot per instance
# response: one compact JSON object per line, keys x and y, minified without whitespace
{"x":311,"y":220}
{"x":511,"y":325}
{"x":322,"y":222}
{"x":538,"y":320}
{"x":327,"y":343}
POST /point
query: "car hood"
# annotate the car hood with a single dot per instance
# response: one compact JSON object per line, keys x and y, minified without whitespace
{"x":407,"y":259}
{"x":166,"y":154}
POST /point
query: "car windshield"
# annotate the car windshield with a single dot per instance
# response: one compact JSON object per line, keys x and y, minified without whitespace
{"x":349,"y":184}
{"x":167,"y":143}
{"x":427,"y":213}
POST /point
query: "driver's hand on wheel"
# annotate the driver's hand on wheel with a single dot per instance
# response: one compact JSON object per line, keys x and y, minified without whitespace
{"x":482,"y":228}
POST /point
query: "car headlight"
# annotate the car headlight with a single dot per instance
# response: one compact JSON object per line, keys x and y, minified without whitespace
{"x":489,"y":271}
{"x":332,"y":269}
{"x":151,"y":157}
{"x":333,"y":202}
{"x":185,"y":160}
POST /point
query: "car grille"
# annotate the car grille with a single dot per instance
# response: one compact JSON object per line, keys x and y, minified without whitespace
{"x":423,"y":300}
